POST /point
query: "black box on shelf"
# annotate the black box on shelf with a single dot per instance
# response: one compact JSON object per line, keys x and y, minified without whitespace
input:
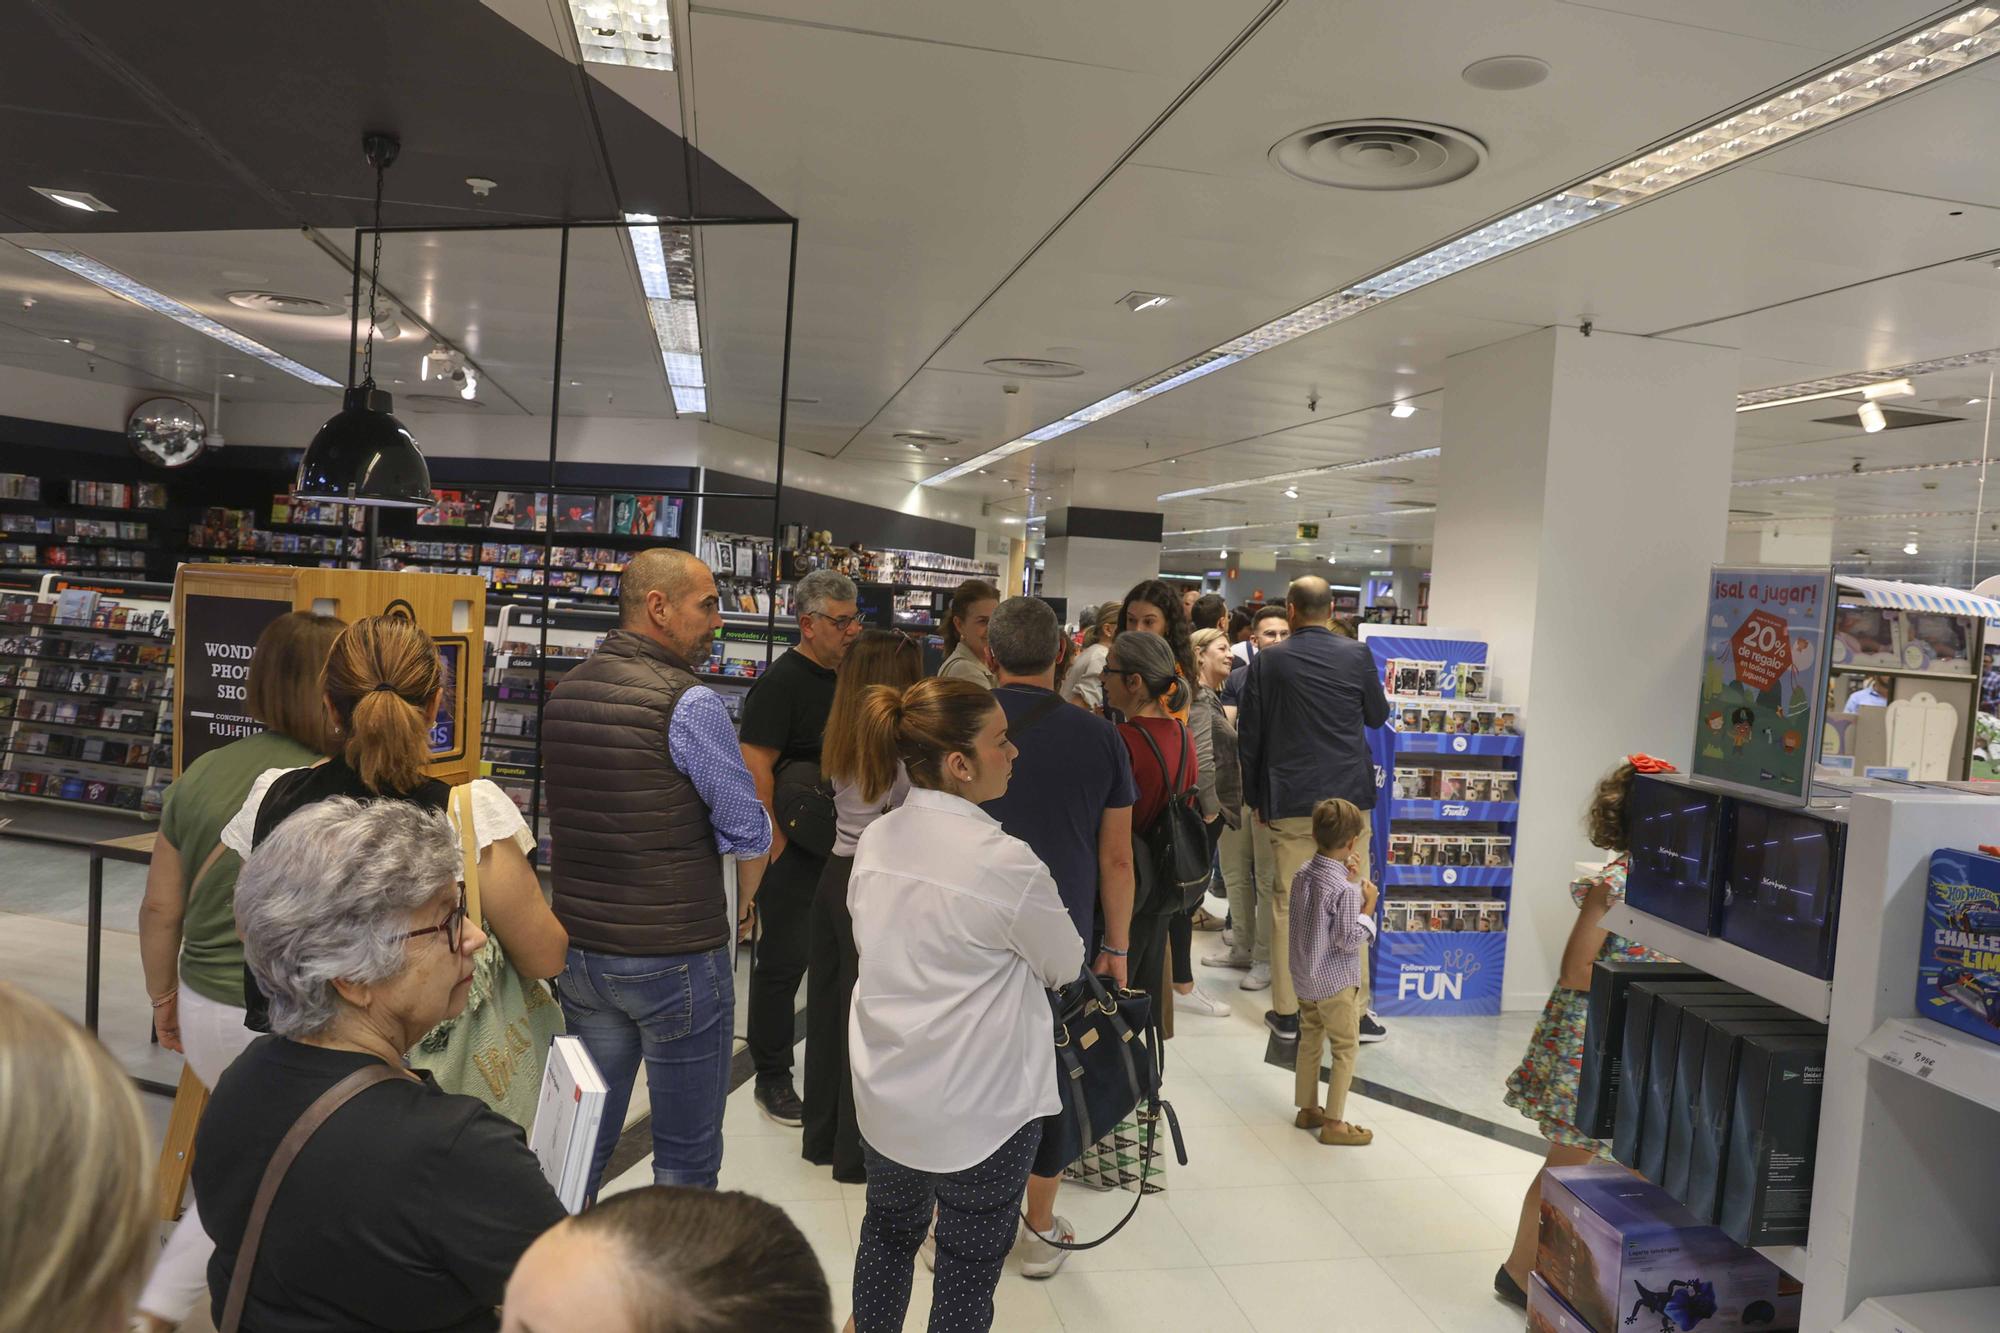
{"x":1670,"y":1012}
{"x":1635,"y":1053}
{"x":1676,"y":833}
{"x":1781,"y":891}
{"x":1767,"y":1166}
{"x":1722,"y":1047}
{"x":1699,"y":1026}
{"x":1604,"y":1026}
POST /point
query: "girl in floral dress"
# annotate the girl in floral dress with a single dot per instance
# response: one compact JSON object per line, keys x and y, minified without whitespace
{"x":1544,"y":1087}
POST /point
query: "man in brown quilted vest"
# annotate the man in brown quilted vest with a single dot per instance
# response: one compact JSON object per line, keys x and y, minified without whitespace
{"x":646,"y":793}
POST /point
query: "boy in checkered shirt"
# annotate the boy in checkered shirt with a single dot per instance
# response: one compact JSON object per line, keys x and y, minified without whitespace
{"x":1333,"y":915}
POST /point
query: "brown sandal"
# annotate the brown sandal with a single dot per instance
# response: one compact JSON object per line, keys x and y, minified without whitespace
{"x":1354,"y":1136}
{"x":1309,"y":1118}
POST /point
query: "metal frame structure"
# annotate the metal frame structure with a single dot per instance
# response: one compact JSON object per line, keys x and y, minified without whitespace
{"x":776,"y":496}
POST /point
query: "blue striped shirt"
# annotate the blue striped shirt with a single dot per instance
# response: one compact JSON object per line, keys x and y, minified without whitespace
{"x":702,"y":743}
{"x":1328,"y":930}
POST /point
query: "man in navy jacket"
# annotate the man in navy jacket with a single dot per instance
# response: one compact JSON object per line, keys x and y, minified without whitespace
{"x":1302,"y":736}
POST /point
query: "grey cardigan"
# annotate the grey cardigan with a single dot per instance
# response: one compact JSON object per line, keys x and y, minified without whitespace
{"x":1219,"y":776}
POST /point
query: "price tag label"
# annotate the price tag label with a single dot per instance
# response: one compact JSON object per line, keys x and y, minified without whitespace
{"x":1965,"y":1066}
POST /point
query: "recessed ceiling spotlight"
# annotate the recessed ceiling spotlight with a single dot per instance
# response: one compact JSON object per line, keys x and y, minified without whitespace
{"x":1403,"y":411}
{"x":1225,"y":553}
{"x":1034,"y":367}
{"x":1505,"y":74}
{"x":1974,"y":402}
{"x":1377,"y":551}
{"x":481,"y":186}
{"x":81,"y":200}
{"x":921,"y":440}
{"x":1140,"y":302}
{"x":1871,"y":416}
{"x":1909,"y":548}
{"x":277,"y":303}
{"x":1291,"y":492}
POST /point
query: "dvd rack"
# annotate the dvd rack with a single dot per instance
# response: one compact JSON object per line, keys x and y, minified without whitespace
{"x":86,"y":690}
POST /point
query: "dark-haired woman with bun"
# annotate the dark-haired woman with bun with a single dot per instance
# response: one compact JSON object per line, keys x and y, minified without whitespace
{"x":383,"y":684}
{"x":1544,"y":1087}
{"x":961,"y":934}
{"x":965,"y":655}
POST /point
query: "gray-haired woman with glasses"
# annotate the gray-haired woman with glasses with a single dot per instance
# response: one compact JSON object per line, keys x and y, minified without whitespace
{"x":410,"y":1206}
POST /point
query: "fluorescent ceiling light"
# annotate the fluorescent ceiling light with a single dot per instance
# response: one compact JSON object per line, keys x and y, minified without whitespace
{"x":665,"y":256}
{"x":1910,"y":62}
{"x":1871,"y":416}
{"x":1408,"y":456}
{"x":81,"y":200}
{"x":624,"y":32}
{"x":111,"y":280}
{"x":1403,"y":411}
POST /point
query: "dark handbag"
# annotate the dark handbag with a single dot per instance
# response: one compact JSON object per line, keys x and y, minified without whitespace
{"x":1174,"y":847}
{"x":1107,"y":1064}
{"x":803,"y":802}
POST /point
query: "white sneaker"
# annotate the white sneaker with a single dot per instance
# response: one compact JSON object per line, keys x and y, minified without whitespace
{"x":1199,"y":1001}
{"x":1257,"y":978}
{"x":1039,"y":1259}
{"x":1227,"y":958}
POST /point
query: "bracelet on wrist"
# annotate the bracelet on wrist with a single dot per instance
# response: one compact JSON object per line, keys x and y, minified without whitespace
{"x":1115,"y":953}
{"x":164,"y":1000}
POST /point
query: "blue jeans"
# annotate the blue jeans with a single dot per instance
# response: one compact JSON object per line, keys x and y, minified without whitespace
{"x":679,"y":1012}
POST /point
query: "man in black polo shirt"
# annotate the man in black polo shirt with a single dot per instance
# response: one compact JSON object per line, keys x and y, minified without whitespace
{"x":1070,"y":799}
{"x":1302,"y":735}
{"x":784,"y":719}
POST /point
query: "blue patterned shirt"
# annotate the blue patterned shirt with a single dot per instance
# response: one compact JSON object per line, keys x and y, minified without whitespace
{"x":1327,"y":929}
{"x":702,"y":743}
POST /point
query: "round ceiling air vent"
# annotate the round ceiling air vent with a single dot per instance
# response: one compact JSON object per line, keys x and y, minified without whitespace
{"x":1034,"y":368}
{"x":1394,"y":481}
{"x":1378,"y":154}
{"x":276,"y":303}
{"x":1505,"y":74}
{"x":921,"y":440}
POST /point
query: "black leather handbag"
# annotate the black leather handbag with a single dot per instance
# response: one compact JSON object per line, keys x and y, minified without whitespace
{"x":803,"y":802}
{"x":1107,"y":1068}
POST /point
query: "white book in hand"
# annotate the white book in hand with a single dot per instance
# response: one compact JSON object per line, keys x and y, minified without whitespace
{"x":565,"y":1134}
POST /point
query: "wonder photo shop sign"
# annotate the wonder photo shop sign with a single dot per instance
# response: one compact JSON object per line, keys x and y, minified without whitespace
{"x":1762,"y":679}
{"x":214,"y":641}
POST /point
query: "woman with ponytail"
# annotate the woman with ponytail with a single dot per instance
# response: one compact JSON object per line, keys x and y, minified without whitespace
{"x":383,"y":684}
{"x":961,"y":932}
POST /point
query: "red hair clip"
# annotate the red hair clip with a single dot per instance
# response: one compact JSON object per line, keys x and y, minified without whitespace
{"x":1645,"y":763}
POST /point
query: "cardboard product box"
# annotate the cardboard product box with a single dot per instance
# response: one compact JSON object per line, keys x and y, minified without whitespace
{"x":1623,"y":1255}
{"x":1635,"y":1054}
{"x":1773,"y":1135}
{"x":1697,"y":1022}
{"x":1720,"y":1052}
{"x":1781,"y":885}
{"x":1676,"y":831}
{"x":1547,"y":1313}
{"x":1604,"y":1024}
{"x":1958,"y":967}
{"x":1670,"y":1012}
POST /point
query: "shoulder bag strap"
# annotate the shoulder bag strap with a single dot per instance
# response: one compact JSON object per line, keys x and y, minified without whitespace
{"x":307,"y":1125}
{"x":468,"y":841}
{"x":1174,"y":787}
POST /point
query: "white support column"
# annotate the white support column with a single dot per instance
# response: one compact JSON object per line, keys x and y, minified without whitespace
{"x":1583,"y":494}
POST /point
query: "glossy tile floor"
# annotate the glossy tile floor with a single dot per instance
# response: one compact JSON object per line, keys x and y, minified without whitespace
{"x":1263,"y":1230}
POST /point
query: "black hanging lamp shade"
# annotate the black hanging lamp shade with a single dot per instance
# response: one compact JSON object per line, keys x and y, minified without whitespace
{"x":363,"y":455}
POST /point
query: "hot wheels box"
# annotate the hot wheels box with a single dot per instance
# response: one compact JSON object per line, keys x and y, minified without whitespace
{"x":1622,"y":1254}
{"x":1958,"y":974}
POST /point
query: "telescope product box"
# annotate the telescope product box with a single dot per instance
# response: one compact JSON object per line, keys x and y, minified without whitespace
{"x":1635,"y":1053}
{"x":1676,"y":832}
{"x":1621,"y":1254}
{"x":1603,"y":1025}
{"x":1958,"y":974}
{"x":1674,"y":1076}
{"x":1547,"y":1313}
{"x":1767,"y":1167}
{"x":1721,"y":1048}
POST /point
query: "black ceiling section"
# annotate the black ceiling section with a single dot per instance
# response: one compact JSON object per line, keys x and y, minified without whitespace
{"x":1895,"y":418}
{"x":241,"y":115}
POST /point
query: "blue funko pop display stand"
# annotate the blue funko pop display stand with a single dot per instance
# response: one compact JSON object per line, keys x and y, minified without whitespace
{"x":1437,"y":971}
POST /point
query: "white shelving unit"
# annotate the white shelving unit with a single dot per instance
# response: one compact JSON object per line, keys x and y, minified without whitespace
{"x":1904,"y":1174}
{"x":1966,"y":1311}
{"x":1803,"y":994}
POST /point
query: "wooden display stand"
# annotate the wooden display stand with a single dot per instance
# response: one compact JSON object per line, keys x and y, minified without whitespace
{"x":219,"y":610}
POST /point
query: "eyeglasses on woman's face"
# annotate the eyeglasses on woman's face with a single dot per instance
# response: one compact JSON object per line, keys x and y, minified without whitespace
{"x":452,"y":927}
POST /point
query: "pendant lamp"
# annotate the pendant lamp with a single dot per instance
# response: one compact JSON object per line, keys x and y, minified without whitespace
{"x":363,"y":455}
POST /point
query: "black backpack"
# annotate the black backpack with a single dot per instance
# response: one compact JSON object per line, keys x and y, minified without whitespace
{"x":1171,"y":855}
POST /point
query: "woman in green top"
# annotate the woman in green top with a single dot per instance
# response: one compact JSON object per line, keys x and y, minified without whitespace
{"x":187,"y":924}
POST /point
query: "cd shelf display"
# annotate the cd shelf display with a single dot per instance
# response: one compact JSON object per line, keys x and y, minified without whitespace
{"x":85,"y":688}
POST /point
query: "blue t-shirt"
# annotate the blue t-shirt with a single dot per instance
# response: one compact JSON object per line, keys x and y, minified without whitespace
{"x":1072,"y":768}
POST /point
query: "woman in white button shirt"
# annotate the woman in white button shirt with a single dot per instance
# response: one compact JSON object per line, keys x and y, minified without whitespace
{"x":961,"y":933}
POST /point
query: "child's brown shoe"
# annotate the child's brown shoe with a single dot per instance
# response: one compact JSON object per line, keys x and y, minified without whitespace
{"x":1353,"y":1136}
{"x":1309,"y":1118}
